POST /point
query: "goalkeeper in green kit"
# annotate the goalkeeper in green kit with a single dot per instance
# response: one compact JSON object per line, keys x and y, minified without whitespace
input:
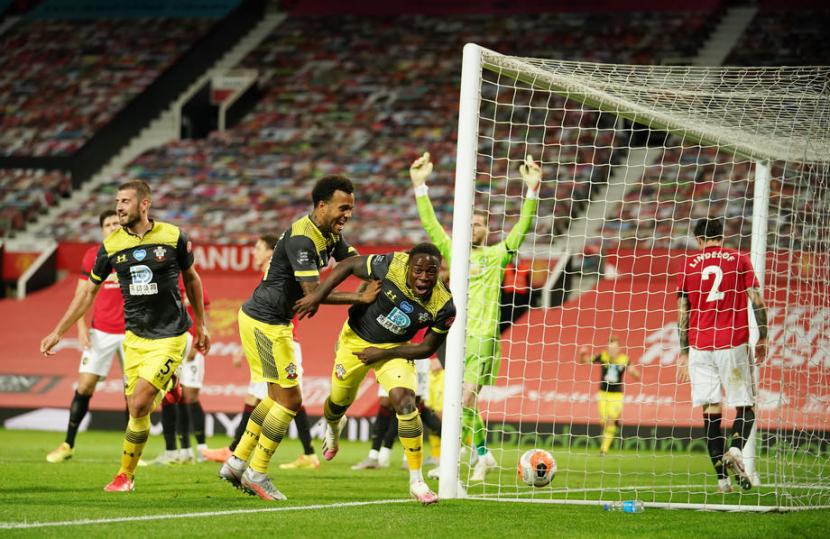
{"x":487,"y":263}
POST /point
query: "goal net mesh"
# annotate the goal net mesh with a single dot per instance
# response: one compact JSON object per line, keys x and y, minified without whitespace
{"x":632,"y":156}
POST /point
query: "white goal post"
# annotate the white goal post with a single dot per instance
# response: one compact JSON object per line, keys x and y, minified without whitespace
{"x":751,"y":145}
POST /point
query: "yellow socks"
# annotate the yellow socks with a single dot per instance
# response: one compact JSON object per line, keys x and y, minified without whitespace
{"x":411,"y":433}
{"x":138,"y":430}
{"x":273,"y":429}
{"x":434,"y":446}
{"x":249,"y":439}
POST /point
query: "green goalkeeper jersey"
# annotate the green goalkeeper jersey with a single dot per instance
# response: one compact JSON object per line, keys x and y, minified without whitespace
{"x":486,"y":265}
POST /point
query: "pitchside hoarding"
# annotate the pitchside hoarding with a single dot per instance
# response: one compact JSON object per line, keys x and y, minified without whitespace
{"x":540,"y":382}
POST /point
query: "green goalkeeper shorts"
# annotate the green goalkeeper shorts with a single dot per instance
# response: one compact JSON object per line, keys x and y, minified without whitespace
{"x":481,"y":365}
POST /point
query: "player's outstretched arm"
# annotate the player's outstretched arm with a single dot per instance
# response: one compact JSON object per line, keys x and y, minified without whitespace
{"x":81,"y":302}
{"x":683,"y":334}
{"x":759,"y":308}
{"x":419,"y":172}
{"x":532,"y":175}
{"x":317,"y":292}
{"x":432,"y":341}
{"x":195,"y":295}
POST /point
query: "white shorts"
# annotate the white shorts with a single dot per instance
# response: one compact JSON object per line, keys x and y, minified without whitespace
{"x":422,"y":380}
{"x":260,"y":389}
{"x":191,"y":373}
{"x":713,"y":372}
{"x":97,"y":359}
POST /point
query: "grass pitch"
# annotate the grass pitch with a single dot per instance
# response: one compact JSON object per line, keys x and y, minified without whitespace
{"x":41,"y":499}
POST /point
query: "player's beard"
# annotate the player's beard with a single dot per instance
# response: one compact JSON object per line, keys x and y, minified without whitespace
{"x":129,"y":220}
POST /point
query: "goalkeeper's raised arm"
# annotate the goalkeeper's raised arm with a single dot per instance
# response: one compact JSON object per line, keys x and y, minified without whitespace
{"x":531,"y":173}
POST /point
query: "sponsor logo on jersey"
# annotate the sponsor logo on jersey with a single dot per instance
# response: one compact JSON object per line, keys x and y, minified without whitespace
{"x":139,"y":254}
{"x":396,"y":321}
{"x":407,"y":307}
{"x":142,"y":284}
{"x":159,"y":253}
{"x":303,"y":258}
{"x":393,"y":297}
{"x":423,"y":317}
{"x":120,"y":259}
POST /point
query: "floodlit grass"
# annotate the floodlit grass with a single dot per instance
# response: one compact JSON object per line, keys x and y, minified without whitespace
{"x":33,"y":491}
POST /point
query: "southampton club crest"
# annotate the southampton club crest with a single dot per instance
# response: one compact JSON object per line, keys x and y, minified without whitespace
{"x":340,"y":371}
{"x":291,"y":371}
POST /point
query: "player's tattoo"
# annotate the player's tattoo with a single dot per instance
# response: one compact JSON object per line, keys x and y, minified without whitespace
{"x":683,"y":323}
{"x":760,"y":310}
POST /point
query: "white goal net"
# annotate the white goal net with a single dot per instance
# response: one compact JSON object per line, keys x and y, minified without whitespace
{"x":632,"y":156}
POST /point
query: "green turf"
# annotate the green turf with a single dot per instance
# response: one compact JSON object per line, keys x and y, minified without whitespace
{"x":33,"y":491}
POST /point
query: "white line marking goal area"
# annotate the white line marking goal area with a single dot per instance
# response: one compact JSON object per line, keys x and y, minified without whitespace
{"x":204,"y":514}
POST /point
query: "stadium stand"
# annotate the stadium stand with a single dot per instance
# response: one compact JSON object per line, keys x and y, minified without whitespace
{"x":26,"y":193}
{"x":690,"y":182}
{"x":784,"y":36}
{"x":63,"y":80}
{"x":365,"y":106}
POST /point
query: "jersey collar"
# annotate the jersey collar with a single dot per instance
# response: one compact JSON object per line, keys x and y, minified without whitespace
{"x":152,"y":226}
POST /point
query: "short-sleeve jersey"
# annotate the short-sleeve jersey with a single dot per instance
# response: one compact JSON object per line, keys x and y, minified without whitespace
{"x":715,"y":281}
{"x":397,"y":313}
{"x":301,"y":252}
{"x":108,"y":309}
{"x":613,"y":371}
{"x":148,"y":272}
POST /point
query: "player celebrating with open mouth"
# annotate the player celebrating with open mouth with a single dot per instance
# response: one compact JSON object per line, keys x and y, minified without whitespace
{"x":376,"y":336}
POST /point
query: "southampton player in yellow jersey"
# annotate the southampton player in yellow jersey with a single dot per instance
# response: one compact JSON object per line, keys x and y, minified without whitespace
{"x":147,"y":256}
{"x":376,"y":337}
{"x":487,"y":263}
{"x":266,"y":330}
{"x":610,"y":398}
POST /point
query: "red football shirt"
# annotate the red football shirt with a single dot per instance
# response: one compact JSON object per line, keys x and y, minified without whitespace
{"x":108,"y":309}
{"x":715,"y":281}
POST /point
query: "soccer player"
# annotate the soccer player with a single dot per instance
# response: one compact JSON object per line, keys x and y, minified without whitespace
{"x":610,"y":399}
{"x":100,"y":343}
{"x":713,"y":323}
{"x":148,"y":256}
{"x":487,"y":263}
{"x":377,"y":336}
{"x":257,"y":391}
{"x":265,"y":328}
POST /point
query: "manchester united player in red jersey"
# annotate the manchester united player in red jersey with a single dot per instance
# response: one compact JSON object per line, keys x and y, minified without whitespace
{"x":714,"y":342}
{"x":100,"y":343}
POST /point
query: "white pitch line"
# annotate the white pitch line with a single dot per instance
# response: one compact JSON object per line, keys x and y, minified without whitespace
{"x":88,"y":522}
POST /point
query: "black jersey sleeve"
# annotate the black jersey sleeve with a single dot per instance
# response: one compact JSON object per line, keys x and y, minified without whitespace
{"x":302,"y":255}
{"x":444,"y":318}
{"x":102,"y":266}
{"x":343,"y":250}
{"x":378,"y":265}
{"x":184,"y":251}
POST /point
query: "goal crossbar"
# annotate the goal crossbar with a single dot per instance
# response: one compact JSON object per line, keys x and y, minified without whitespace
{"x":645,"y":101}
